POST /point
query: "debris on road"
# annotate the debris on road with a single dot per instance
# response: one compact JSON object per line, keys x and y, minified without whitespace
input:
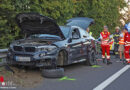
{"x":96,"y":66}
{"x":66,"y":78}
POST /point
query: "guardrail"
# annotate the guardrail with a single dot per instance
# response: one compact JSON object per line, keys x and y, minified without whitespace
{"x":3,"y":54}
{"x":3,"y":50}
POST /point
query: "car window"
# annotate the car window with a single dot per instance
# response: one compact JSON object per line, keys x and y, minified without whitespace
{"x":83,"y":33}
{"x":75,"y":33}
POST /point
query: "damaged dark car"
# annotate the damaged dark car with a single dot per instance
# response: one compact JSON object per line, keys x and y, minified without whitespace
{"x":49,"y":46}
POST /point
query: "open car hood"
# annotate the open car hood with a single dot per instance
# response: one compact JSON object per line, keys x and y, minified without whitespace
{"x":82,"y":22}
{"x":34,"y":23}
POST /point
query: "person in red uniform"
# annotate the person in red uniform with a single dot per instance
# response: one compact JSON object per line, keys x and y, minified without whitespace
{"x":105,"y":45}
{"x":127,"y":44}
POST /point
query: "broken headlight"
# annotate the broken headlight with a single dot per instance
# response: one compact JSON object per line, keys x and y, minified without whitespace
{"x":47,"y":48}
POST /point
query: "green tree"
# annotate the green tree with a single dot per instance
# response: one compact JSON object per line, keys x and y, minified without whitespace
{"x":104,"y":12}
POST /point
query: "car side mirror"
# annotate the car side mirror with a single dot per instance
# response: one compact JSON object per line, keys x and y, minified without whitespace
{"x":70,"y":40}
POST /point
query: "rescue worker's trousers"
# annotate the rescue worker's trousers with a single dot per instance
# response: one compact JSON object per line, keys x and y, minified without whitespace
{"x":105,"y":48}
{"x":116,"y":46}
{"x":127,"y":53}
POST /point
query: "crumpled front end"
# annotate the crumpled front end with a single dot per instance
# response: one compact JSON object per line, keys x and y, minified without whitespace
{"x":37,"y":56}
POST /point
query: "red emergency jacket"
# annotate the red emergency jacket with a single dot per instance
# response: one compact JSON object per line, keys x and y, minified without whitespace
{"x":127,"y":39}
{"x":105,"y":35}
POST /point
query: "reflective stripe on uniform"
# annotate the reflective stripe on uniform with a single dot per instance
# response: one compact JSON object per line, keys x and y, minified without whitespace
{"x":121,"y":41}
{"x":127,"y":42}
{"x":116,"y":42}
{"x":127,"y":45}
{"x":126,"y":51}
{"x":105,"y":42}
{"x":108,"y":57}
{"x":116,"y":52}
{"x":127,"y":59}
{"x":116,"y":35}
{"x":103,"y":56}
{"x":90,"y":33}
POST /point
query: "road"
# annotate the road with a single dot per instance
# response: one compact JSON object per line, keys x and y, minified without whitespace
{"x":89,"y":78}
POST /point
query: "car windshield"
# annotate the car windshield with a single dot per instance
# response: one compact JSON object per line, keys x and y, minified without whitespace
{"x":43,"y":36}
{"x":65,"y":30}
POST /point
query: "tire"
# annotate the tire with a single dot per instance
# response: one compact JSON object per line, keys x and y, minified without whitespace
{"x":62,"y":58}
{"x":91,"y":58}
{"x":53,"y":73}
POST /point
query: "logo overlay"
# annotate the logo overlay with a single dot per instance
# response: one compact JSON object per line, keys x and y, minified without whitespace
{"x":6,"y":84}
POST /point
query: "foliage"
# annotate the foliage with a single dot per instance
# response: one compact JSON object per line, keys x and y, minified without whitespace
{"x":104,"y":12}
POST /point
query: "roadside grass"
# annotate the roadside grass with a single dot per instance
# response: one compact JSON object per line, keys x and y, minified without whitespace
{"x":22,"y":78}
{"x":4,"y":72}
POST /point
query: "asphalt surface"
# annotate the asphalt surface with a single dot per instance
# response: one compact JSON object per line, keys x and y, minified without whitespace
{"x":87,"y":78}
{"x":122,"y":83}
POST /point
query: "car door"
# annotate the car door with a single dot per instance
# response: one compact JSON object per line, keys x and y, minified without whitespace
{"x":85,"y":43}
{"x":75,"y":45}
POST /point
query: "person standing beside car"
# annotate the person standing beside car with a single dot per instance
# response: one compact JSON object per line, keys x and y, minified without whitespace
{"x":121,"y":43}
{"x":116,"y":36}
{"x":88,"y":31}
{"x":89,"y":34}
{"x":127,"y":43}
{"x":105,"y":46}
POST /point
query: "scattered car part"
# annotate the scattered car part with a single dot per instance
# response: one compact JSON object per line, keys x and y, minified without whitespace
{"x":53,"y":73}
{"x":9,"y":69}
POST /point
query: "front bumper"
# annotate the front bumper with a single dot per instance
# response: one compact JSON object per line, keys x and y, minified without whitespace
{"x":35,"y":59}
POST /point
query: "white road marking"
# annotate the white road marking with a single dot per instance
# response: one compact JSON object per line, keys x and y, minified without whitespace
{"x":108,"y":81}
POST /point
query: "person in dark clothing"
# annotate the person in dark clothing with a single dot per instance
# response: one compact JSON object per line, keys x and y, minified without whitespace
{"x":116,"y":36}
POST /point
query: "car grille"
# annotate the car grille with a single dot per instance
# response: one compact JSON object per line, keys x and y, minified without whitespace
{"x":29,"y":49}
{"x":24,"y":49}
{"x":18,"y":48}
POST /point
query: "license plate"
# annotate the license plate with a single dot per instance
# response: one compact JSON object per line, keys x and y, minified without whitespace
{"x":23,"y":59}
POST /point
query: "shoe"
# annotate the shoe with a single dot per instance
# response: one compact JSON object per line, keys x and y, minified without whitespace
{"x":128,"y":62}
{"x":103,"y":60}
{"x":109,"y":62}
{"x":121,"y":60}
